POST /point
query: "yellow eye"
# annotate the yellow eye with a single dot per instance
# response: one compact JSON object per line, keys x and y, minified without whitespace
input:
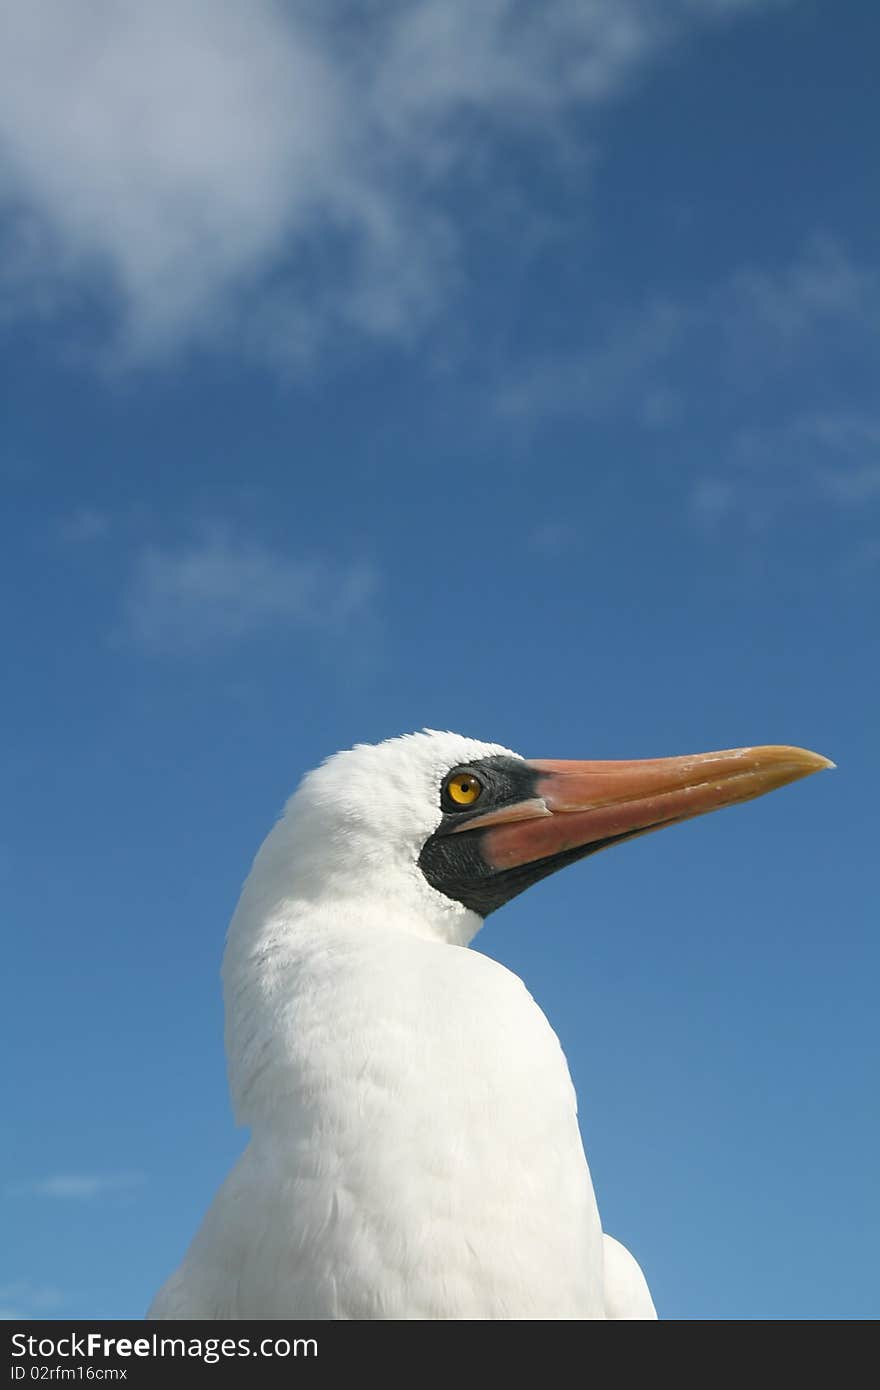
{"x":464,"y":788}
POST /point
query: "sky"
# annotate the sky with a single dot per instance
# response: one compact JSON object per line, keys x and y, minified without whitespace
{"x":511,"y":369}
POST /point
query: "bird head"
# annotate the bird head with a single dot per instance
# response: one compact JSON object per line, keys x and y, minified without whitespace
{"x":438,"y":830}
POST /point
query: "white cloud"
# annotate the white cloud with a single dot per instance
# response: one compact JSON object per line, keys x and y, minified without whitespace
{"x":553,"y":538}
{"x":169,"y":147}
{"x":222,"y":587}
{"x":822,"y":284}
{"x":23,"y":1298}
{"x":84,"y":525}
{"x":79,"y":1186}
{"x":755,"y":327}
{"x":712,"y":499}
{"x":847,"y":463}
{"x":752,"y":346}
{"x":830,"y":458}
{"x":274,"y":174}
{"x":622,"y":366}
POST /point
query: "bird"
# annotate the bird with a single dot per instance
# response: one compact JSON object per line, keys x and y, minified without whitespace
{"x":414,"y":1149}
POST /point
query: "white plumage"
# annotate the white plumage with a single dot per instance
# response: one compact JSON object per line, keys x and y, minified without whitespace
{"x":414,"y":1149}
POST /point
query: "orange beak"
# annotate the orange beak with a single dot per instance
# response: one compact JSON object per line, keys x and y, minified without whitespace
{"x":578,"y":805}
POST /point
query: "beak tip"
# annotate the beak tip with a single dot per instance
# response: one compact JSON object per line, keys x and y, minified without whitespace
{"x":815,"y":762}
{"x":795,"y":762}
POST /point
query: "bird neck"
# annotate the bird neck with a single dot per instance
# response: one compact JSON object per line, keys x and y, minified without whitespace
{"x":281,"y":951}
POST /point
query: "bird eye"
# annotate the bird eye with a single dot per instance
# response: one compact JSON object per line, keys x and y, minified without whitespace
{"x":463,"y":788}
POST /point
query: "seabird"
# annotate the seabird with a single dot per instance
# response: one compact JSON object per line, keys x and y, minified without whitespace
{"x":414,"y":1149}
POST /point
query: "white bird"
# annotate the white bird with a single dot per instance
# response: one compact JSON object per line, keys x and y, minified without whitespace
{"x":414,"y":1149}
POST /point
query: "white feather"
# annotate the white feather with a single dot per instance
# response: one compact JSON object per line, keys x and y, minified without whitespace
{"x":414,"y":1149}
{"x":627,"y":1297}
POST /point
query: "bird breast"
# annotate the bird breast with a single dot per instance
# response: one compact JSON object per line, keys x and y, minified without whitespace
{"x":415,"y":1151}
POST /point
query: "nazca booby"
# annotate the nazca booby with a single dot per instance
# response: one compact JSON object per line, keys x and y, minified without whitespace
{"x":414,"y":1149}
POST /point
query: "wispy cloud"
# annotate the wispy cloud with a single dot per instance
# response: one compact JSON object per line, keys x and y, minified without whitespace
{"x":604,"y":378}
{"x":222,"y":588}
{"x":827,"y":458}
{"x":756,"y":345}
{"x":274,"y":174}
{"x":78,"y":1186}
{"x":821,"y":285}
{"x":552,"y":538}
{"x":23,"y":1298}
{"x":83,"y":525}
{"x":756,"y":328}
{"x":846,"y":461}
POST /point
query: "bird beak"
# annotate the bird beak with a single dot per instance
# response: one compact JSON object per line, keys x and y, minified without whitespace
{"x":579,"y":807}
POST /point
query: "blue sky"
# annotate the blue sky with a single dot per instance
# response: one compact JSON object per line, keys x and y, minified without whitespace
{"x":514,"y":372}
